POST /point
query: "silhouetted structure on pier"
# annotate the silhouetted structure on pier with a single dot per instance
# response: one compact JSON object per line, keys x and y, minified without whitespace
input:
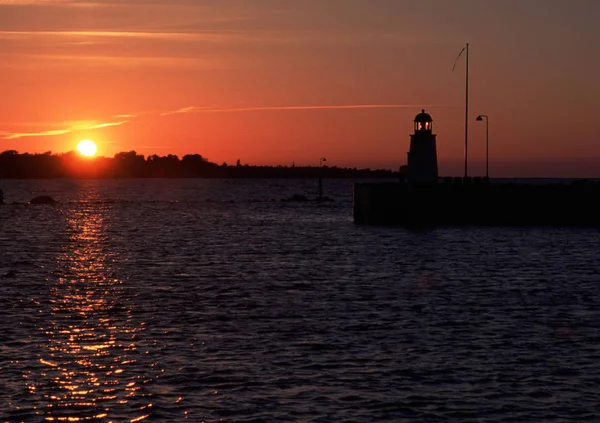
{"x":422,"y":156}
{"x":424,"y":199}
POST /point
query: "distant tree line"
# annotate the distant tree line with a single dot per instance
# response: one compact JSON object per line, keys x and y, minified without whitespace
{"x":132,"y":165}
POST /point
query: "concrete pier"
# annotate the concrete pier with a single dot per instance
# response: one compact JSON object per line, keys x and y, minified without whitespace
{"x":474,"y":201}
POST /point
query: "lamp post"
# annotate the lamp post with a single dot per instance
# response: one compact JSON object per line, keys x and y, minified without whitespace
{"x":321,"y":160}
{"x":487,"y":144}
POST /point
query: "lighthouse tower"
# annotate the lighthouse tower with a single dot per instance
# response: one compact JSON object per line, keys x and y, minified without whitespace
{"x":422,"y":157}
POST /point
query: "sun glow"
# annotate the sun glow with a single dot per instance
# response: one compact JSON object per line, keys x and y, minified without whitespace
{"x":87,"y":148}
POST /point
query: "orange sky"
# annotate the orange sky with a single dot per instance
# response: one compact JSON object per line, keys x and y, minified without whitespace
{"x":272,"y":82}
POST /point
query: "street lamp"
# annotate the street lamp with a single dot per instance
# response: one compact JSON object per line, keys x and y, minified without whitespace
{"x":487,"y":144}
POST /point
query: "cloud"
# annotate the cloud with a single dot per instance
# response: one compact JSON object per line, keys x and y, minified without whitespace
{"x":37,"y":134}
{"x":87,"y":125}
{"x":191,"y":35}
{"x":106,"y":125}
{"x":189,"y":109}
{"x":205,"y":109}
{"x":70,"y":127}
{"x":31,"y":2}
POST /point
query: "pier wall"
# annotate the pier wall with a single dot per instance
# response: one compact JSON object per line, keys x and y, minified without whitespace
{"x":454,"y":202}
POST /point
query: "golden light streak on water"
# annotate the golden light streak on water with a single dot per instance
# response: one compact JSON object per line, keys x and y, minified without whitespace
{"x":89,"y":371}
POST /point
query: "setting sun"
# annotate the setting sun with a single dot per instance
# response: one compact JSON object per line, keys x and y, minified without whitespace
{"x":87,"y":148}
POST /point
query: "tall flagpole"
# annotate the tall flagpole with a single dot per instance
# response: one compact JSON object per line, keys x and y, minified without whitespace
{"x":467,"y":111}
{"x":466,"y":103}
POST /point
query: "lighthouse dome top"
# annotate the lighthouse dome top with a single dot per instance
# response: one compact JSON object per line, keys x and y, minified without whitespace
{"x":423,"y":117}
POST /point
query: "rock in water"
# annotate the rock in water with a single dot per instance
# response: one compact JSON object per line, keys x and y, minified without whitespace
{"x":43,"y":199}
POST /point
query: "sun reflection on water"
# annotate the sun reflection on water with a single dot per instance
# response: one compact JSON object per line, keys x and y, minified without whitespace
{"x":92,"y":369}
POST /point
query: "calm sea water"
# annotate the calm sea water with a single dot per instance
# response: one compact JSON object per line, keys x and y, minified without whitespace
{"x":212,"y":300}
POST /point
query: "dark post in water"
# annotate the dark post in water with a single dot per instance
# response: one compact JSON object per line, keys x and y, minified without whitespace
{"x":321,"y":177}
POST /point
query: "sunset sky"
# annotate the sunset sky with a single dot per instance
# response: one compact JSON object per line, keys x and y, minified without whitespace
{"x":276,"y":82}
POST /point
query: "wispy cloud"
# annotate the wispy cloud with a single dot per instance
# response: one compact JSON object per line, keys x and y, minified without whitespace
{"x":205,"y":109}
{"x":108,"y":124}
{"x":37,"y":134}
{"x":68,"y":128}
{"x":192,"y":35}
{"x":189,"y":109}
{"x":31,"y":2}
{"x":88,"y":125}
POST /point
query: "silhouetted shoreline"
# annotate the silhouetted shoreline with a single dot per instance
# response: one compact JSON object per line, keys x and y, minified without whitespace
{"x":132,"y":165}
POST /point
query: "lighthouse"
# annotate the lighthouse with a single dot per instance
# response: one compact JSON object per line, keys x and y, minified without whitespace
{"x":422,"y":156}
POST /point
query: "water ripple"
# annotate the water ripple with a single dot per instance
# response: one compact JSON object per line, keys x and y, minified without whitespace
{"x":161,"y":306}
